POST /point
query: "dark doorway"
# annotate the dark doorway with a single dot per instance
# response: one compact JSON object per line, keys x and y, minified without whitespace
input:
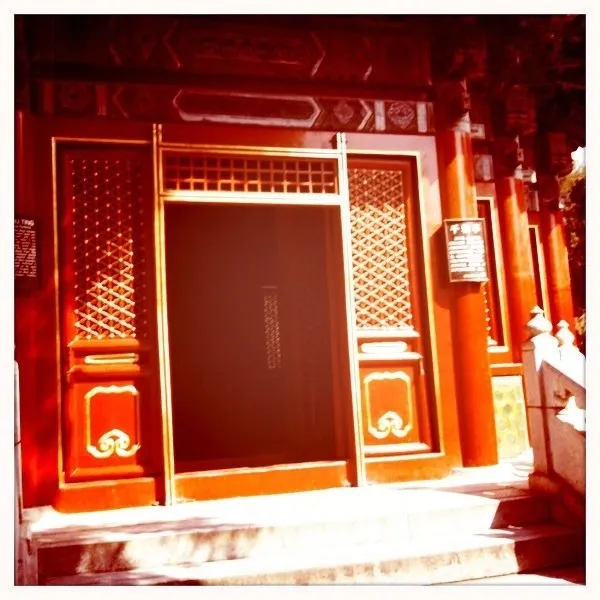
{"x":249,"y":335}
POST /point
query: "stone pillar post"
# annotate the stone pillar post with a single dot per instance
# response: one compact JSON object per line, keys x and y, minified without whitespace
{"x":541,"y":346}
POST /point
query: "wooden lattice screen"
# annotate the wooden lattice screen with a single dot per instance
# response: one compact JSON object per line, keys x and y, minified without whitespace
{"x":109,"y":262}
{"x":379,"y":249}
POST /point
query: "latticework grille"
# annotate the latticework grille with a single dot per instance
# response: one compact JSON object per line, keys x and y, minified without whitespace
{"x":109,"y":258}
{"x":271,"y":321}
{"x":379,"y":249}
{"x":216,"y":173}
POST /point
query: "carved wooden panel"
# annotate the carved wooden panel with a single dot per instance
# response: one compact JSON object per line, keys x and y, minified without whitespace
{"x":334,"y":49}
{"x":172,"y":103}
{"x":111,"y":406}
{"x":108,"y":238}
{"x":107,"y":418}
{"x":259,"y":174}
{"x":387,"y":281}
{"x":390,"y":409}
{"x":379,"y":248}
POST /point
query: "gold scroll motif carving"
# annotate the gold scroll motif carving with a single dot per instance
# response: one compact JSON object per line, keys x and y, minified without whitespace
{"x":390,"y":423}
{"x":115,"y":441}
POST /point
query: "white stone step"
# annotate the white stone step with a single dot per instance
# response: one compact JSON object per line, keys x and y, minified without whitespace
{"x":255,"y":527}
{"x":425,"y":561}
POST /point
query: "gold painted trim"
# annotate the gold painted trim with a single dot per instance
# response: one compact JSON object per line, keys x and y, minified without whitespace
{"x":114,"y":441}
{"x":498,"y":349}
{"x":400,"y":449}
{"x":179,"y":147}
{"x":85,"y":140}
{"x":396,"y":357}
{"x":428,"y":267}
{"x":57,"y":312}
{"x":125,"y":358}
{"x":500,"y":272}
{"x":388,"y":334}
{"x":390,"y":423}
{"x":541,"y":260}
{"x":162,"y":323}
{"x":405,"y":457}
{"x":346,"y":225}
{"x":382,"y":153}
{"x":252,"y":198}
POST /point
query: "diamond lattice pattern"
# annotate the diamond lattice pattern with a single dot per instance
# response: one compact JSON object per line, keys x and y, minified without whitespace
{"x":109,"y":258}
{"x":379,"y":249}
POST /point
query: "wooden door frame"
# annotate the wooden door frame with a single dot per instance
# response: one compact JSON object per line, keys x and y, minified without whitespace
{"x":46,"y":132}
{"x":421,"y":151}
{"x":276,"y":478}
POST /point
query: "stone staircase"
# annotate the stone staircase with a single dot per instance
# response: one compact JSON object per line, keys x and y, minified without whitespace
{"x":431,"y":533}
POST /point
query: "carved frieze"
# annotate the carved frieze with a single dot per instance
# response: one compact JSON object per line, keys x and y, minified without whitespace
{"x":171,"y":103}
{"x":215,"y":46}
{"x":269,"y":47}
{"x":140,"y":40}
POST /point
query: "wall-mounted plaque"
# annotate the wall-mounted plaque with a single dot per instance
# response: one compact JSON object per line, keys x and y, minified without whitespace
{"x":466,"y":250}
{"x":27,"y":259}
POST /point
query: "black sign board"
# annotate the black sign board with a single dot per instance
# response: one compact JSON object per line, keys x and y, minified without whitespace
{"x":466,"y":250}
{"x":27,"y":259}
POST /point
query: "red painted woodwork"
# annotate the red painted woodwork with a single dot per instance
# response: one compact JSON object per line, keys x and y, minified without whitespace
{"x":520,"y":280}
{"x":388,"y":282}
{"x":209,"y":485}
{"x":270,"y":390}
{"x":470,"y":338}
{"x":111,"y":425}
{"x":558,"y":278}
{"x":400,"y":362}
{"x":491,"y":288}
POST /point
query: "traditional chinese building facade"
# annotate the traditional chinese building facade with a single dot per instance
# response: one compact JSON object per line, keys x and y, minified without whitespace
{"x":243,"y":281}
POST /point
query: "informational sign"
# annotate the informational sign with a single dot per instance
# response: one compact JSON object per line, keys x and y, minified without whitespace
{"x":26,"y":254}
{"x":466,"y":250}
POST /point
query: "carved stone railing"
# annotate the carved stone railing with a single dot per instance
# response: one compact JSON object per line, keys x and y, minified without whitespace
{"x":554,"y":376}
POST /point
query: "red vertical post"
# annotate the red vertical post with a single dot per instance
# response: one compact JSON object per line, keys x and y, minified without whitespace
{"x":516,"y":246}
{"x":557,"y":265}
{"x":477,"y":428}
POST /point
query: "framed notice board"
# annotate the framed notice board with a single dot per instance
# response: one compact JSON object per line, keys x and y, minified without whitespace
{"x":466,"y":250}
{"x":27,"y":254}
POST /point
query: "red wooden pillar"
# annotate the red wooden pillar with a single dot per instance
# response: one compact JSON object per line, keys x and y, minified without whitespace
{"x":516,"y":247}
{"x":557,"y":261}
{"x":470,"y":339}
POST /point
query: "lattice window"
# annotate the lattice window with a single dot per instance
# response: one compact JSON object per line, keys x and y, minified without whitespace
{"x":272,"y":333}
{"x":216,"y":173}
{"x":108,"y":241}
{"x":379,"y":249}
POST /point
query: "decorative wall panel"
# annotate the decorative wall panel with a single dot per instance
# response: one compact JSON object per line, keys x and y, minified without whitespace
{"x":379,"y":249}
{"x":261,"y":174}
{"x":109,"y":249}
{"x":111,"y":407}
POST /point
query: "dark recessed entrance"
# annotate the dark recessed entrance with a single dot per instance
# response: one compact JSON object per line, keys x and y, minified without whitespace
{"x":249,"y":335}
